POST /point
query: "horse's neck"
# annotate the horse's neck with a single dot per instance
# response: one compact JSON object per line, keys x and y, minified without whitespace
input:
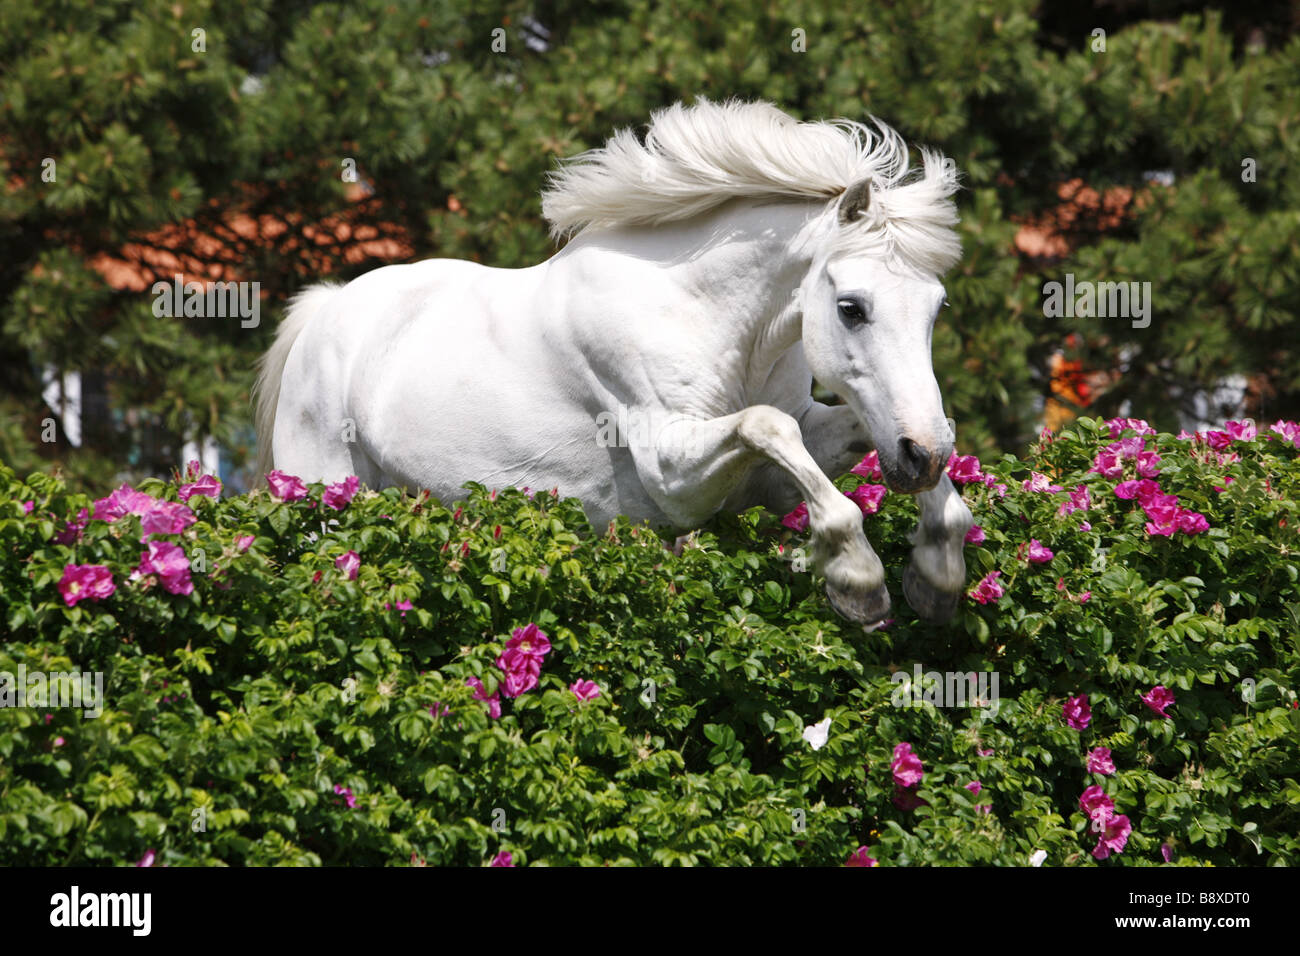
{"x":753,"y":272}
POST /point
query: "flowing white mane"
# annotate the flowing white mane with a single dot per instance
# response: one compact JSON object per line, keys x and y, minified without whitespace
{"x":696,"y":158}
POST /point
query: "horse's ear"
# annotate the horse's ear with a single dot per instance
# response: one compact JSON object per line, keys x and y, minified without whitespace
{"x":855,"y":201}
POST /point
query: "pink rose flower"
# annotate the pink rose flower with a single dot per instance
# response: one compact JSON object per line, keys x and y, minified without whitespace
{"x":349,"y":563}
{"x":1241,"y":431}
{"x":1159,"y":698}
{"x":529,"y":641}
{"x":975,"y":535}
{"x":1099,"y":761}
{"x":166,"y":517}
{"x":988,"y":590}
{"x":244,"y":542}
{"x":1114,"y":838}
{"x":963,"y":469}
{"x":1158,"y":506}
{"x":1290,"y":431}
{"x":208,"y":485}
{"x":1079,"y":501}
{"x":125,"y":500}
{"x":1038,"y":553}
{"x":1163,"y":511}
{"x":860,"y":857}
{"x":1080,"y":498}
{"x":585,"y":689}
{"x":1037,"y":482}
{"x":71,"y":532}
{"x":1096,"y":805}
{"x":797,"y":520}
{"x":1127,"y":490}
{"x":868,"y":467}
{"x":493,"y":700}
{"x":502,"y":859}
{"x":1144,"y":490}
{"x":867,"y":497}
{"x":974,"y":786}
{"x":85,"y":582}
{"x":346,"y":793}
{"x":156,"y":516}
{"x":1117,"y":425}
{"x":517,"y":682}
{"x":340,"y":493}
{"x":286,"y":487}
{"x":169,"y":563}
{"x":522,"y":659}
{"x":1150,"y":496}
{"x":1108,"y":463}
{"x":906,"y":766}
{"x":1077,"y":712}
{"x":402,"y":606}
{"x":1129,"y":447}
{"x":1148,"y":464}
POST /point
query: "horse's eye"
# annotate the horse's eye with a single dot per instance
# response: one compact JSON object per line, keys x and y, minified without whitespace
{"x":851,"y":312}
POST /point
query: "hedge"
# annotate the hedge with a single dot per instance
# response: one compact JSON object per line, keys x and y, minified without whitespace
{"x":318,"y":675}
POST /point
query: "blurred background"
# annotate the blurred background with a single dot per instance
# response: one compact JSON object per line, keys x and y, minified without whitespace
{"x":280,"y":143}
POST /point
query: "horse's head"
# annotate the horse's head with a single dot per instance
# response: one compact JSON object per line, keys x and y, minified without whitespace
{"x":868,"y":316}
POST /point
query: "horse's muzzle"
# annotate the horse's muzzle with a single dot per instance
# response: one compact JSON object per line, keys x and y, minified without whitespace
{"x":914,"y":467}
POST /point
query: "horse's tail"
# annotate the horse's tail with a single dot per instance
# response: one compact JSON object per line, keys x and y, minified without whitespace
{"x":266,"y":390}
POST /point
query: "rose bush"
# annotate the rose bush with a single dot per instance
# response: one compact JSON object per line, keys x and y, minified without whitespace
{"x":313,"y":675}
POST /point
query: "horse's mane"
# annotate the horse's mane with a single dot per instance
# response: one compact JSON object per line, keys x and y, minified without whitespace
{"x":696,"y":158}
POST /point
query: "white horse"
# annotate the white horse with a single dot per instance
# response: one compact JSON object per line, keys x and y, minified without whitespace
{"x":718,"y":267}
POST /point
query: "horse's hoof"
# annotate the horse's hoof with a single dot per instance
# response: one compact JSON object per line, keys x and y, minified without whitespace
{"x":930,"y":604}
{"x":862,"y":608}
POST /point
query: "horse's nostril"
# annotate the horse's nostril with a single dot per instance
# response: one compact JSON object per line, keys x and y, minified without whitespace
{"x":915,"y":456}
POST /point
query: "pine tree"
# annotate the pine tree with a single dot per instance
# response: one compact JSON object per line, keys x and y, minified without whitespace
{"x":281,"y":143}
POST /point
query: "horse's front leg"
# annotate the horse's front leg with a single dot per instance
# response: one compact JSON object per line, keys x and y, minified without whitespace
{"x":696,"y":465}
{"x":836,"y":439}
{"x":935,"y":578}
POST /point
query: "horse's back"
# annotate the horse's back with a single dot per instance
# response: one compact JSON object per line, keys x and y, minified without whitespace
{"x":451,"y":371}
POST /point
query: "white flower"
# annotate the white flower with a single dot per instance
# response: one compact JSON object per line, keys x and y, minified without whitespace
{"x":1037,"y":857}
{"x":816,"y":734}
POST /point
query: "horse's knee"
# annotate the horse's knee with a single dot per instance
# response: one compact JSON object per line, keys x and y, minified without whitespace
{"x":762,"y":428}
